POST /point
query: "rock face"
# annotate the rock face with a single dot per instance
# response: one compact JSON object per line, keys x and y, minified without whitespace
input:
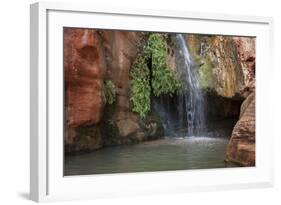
{"x":226,"y":64}
{"x":84,"y":67}
{"x":121,"y":49}
{"x":241,"y":148}
{"x":247,"y":57}
{"x":228,"y":72}
{"x":90,"y":58}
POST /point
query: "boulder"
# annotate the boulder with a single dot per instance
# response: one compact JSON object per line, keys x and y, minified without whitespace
{"x":241,"y":147}
{"x":127,"y":127}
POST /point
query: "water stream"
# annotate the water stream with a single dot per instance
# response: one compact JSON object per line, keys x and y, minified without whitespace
{"x":192,"y":98}
{"x":188,"y":119}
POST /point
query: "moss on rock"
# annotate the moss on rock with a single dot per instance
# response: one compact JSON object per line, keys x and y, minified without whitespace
{"x":206,"y":75}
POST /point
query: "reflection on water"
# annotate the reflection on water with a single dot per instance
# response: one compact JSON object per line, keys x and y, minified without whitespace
{"x":159,"y":155}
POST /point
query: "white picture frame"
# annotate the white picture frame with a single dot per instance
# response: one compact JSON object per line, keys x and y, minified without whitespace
{"x":47,"y":182}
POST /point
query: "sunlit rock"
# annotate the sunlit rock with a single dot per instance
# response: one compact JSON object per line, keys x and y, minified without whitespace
{"x":241,"y":147}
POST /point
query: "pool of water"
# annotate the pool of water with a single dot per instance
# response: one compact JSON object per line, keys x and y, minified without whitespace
{"x":177,"y":153}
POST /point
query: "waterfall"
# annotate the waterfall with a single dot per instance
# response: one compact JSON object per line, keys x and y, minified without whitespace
{"x":160,"y":106}
{"x":192,"y":98}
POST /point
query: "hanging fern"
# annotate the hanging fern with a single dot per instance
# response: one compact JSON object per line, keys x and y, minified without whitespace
{"x":163,"y":81}
{"x":140,"y":86}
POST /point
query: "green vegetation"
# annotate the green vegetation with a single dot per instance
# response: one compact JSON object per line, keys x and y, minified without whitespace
{"x":205,"y":71}
{"x":140,"y":86}
{"x":163,"y":79}
{"x":203,"y":59}
{"x":109,"y":92}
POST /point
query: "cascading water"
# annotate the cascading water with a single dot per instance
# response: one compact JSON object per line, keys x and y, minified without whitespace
{"x":183,"y":114}
{"x":163,"y":112}
{"x":192,"y":98}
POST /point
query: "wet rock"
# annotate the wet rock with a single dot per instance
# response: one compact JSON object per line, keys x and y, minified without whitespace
{"x":87,"y":138}
{"x":153,"y":128}
{"x":140,"y":136}
{"x":241,"y":147}
{"x":226,"y":66}
{"x":127,"y":127}
{"x":222,"y":107}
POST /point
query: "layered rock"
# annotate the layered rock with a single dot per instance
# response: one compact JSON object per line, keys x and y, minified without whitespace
{"x":246,"y":48}
{"x":226,"y":67}
{"x":90,"y":58}
{"x":125,"y":126}
{"x":241,"y":147}
{"x":226,"y":64}
{"x":121,"y":49}
{"x":84,"y":67}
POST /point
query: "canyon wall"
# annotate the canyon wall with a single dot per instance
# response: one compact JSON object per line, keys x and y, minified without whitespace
{"x":92,"y":57}
{"x":226,"y":66}
{"x":122,"y":125}
{"x":84,"y":70}
{"x":241,"y":147}
{"x":98,"y":62}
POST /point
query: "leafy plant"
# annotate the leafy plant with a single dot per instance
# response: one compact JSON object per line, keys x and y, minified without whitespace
{"x":163,"y":79}
{"x":109,"y":92}
{"x":140,"y":86}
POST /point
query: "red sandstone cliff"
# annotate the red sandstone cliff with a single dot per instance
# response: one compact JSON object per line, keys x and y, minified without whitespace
{"x":241,"y":147}
{"x":91,"y":57}
{"x":84,"y":68}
